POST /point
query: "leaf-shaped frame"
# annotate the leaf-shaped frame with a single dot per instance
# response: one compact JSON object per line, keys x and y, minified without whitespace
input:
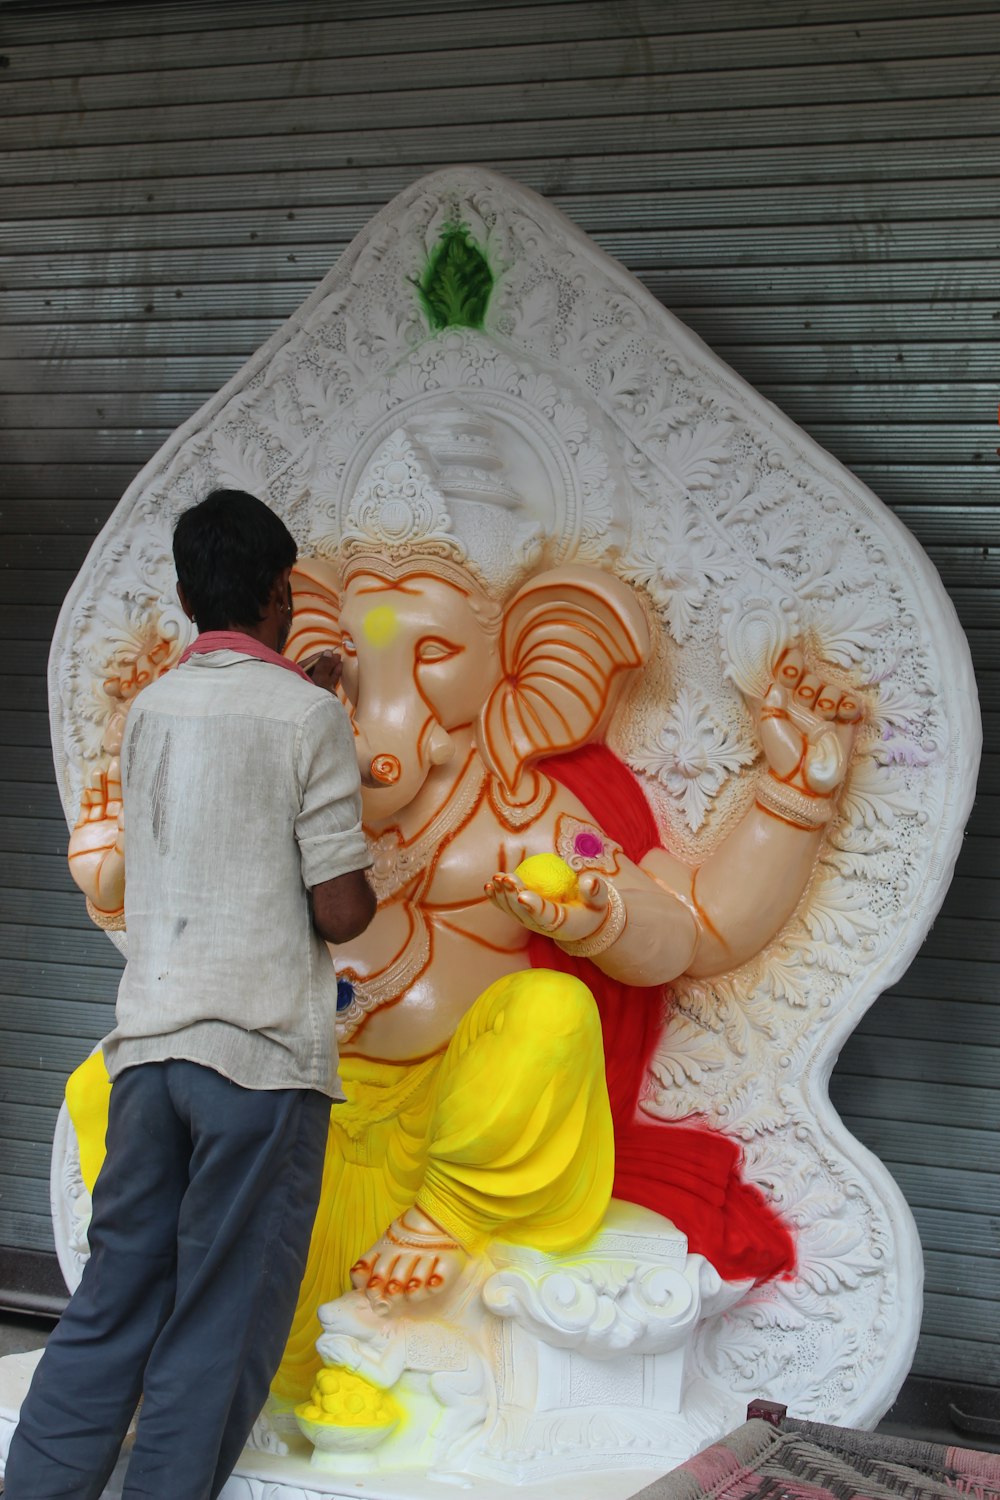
{"x":672,"y":472}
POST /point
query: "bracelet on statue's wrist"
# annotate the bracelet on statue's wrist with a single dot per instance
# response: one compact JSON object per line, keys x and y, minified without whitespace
{"x":793,"y":806}
{"x":108,"y":921}
{"x":606,"y":935}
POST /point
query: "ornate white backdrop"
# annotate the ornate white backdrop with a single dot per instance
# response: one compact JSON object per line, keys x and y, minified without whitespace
{"x":631,"y":446}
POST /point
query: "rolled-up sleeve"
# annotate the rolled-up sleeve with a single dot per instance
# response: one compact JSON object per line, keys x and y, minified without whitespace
{"x":328,"y":826}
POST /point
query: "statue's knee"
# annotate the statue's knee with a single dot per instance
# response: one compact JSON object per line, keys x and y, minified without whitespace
{"x":542,"y":1002}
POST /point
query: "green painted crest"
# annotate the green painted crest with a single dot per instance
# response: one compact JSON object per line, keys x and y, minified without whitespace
{"x":455,"y":288}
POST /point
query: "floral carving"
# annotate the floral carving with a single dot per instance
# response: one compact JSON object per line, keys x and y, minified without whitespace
{"x":678,"y":560}
{"x":694,"y":755}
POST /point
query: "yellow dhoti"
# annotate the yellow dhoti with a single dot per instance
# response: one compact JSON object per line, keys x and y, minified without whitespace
{"x":506,"y":1134}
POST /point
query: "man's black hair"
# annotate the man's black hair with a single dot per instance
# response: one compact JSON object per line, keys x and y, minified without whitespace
{"x":228,"y":550}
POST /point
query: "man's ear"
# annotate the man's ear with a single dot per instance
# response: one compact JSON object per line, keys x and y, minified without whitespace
{"x":184,"y":600}
{"x":279,"y":589}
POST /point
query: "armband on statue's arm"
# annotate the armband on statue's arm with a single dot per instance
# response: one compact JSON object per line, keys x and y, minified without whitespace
{"x":809,"y":811}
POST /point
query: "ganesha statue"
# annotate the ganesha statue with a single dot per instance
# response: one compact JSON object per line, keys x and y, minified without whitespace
{"x":471,"y":1045}
{"x":666,"y":733}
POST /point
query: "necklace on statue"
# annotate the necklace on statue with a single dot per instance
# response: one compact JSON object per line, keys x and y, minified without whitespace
{"x":396,"y":861}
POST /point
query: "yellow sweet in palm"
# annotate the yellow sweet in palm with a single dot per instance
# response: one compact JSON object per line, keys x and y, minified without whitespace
{"x":549,"y":876}
{"x":340,"y":1398}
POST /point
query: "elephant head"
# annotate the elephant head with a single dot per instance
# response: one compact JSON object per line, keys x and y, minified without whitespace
{"x":433,"y":666}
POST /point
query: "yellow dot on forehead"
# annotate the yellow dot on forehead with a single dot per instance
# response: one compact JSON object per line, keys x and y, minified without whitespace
{"x":381,"y":625}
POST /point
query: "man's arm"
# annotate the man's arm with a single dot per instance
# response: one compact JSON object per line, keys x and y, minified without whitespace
{"x":342,"y":907}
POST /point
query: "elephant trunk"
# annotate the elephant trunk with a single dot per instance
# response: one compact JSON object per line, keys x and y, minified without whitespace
{"x":395,"y":766}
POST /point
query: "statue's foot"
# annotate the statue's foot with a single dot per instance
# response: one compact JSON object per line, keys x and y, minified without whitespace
{"x":415,"y":1259}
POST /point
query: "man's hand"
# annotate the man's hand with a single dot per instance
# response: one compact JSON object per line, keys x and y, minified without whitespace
{"x":325,"y":670}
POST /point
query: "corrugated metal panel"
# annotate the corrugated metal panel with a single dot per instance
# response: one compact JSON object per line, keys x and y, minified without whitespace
{"x":811,"y":184}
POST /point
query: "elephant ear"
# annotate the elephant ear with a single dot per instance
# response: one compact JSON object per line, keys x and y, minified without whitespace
{"x":569,"y":637}
{"x":316,"y":609}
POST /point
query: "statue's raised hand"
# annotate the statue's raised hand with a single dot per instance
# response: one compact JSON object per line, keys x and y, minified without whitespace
{"x":807,"y":728}
{"x":97,"y":842}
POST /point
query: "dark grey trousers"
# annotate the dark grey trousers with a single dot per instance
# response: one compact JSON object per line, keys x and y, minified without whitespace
{"x":202,"y":1216}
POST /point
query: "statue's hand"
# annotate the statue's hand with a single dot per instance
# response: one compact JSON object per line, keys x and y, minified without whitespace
{"x":415,"y":1259}
{"x":566,"y":921}
{"x":97,"y":842}
{"x":807,"y":727}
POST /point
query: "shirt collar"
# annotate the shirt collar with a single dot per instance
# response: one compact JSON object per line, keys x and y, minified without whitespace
{"x":243,"y":645}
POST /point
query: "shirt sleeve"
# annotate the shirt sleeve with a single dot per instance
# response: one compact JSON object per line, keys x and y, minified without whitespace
{"x":328,"y":826}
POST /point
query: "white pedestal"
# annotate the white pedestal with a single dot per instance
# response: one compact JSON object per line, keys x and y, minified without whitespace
{"x":265,"y":1476}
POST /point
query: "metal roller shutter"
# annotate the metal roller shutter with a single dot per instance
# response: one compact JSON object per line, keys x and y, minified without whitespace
{"x":813,"y":185}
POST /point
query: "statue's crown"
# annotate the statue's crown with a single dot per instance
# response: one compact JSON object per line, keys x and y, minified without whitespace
{"x":436,"y":491}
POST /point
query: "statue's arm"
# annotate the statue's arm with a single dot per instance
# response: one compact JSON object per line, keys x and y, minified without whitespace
{"x":655,"y":936}
{"x":746,"y":891}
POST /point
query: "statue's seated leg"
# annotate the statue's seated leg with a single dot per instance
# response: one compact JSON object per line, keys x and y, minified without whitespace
{"x":521,"y":1145}
{"x":507,"y":1134}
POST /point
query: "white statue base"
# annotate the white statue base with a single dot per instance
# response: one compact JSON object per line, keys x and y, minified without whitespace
{"x":291,"y":1476}
{"x":539,"y":1370}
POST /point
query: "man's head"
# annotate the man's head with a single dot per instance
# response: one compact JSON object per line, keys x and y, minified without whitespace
{"x":232,"y":556}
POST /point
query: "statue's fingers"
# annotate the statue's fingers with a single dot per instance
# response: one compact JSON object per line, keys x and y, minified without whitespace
{"x":532,"y":905}
{"x":789,"y":668}
{"x":827,"y":700}
{"x":593,"y":891}
{"x":501,"y":890}
{"x":394,"y":1285}
{"x":774,"y":703}
{"x":418,"y":1290}
{"x":850,"y":709}
{"x":410,"y":1278}
{"x":807,"y":690}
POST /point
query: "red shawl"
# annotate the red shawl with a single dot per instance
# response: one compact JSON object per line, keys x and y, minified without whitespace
{"x":690,"y":1173}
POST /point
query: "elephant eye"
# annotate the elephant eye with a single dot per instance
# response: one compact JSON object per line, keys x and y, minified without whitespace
{"x":347,"y":646}
{"x":434,"y":649}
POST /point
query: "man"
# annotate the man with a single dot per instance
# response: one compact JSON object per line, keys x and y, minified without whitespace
{"x":244,"y":857}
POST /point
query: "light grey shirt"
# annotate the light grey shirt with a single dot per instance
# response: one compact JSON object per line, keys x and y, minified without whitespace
{"x":241,"y":793}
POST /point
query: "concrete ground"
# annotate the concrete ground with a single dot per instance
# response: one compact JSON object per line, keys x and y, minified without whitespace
{"x":20,"y":1332}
